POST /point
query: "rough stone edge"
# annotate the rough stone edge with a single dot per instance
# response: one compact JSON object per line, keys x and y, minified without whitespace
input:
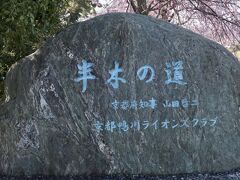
{"x":233,"y":174}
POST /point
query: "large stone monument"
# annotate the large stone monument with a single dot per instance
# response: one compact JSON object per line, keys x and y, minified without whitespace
{"x":122,"y":94}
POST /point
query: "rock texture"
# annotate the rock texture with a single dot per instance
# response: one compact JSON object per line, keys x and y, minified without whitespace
{"x":48,"y":122}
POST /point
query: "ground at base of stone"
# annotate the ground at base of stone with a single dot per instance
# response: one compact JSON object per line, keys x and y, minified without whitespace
{"x":234,"y":174}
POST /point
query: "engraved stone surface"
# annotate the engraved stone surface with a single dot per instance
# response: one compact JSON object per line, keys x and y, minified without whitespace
{"x":122,"y":94}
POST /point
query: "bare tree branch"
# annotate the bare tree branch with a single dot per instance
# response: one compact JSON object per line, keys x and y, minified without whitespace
{"x":221,"y":16}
